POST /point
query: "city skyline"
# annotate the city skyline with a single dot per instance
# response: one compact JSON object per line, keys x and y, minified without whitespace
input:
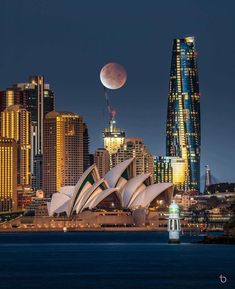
{"x":116,"y":144}
{"x":216,"y":151}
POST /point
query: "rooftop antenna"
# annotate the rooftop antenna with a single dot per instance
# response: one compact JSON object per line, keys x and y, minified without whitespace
{"x":111,"y":110}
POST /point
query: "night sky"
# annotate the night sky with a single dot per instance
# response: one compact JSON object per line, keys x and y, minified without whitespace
{"x":69,"y":42}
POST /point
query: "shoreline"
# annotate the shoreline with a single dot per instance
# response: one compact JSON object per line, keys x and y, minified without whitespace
{"x":100,"y":229}
{"x":222,"y":239}
{"x":111,"y":229}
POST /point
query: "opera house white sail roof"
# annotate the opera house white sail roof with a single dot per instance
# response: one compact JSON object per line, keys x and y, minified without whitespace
{"x":119,"y":189}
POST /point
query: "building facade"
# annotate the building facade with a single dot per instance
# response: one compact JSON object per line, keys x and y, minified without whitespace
{"x":15,"y":124}
{"x":8,"y":174}
{"x":171,"y":170}
{"x":163,"y":170}
{"x":102,"y":161}
{"x":135,"y":148}
{"x":86,"y":157}
{"x":63,"y":157}
{"x":9,"y":97}
{"x":113,"y":138}
{"x":183,"y":133}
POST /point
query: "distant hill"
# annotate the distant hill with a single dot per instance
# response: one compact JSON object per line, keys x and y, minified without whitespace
{"x":221,"y":188}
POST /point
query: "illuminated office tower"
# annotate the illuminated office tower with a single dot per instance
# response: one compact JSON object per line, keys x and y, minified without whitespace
{"x":183,"y":134}
{"x":15,"y":124}
{"x":9,"y":97}
{"x":37,"y":97}
{"x":113,"y":138}
{"x":163,"y":170}
{"x":134,"y":147}
{"x":172,"y":170}
{"x":39,"y":100}
{"x":63,"y":157}
{"x":8,"y":174}
{"x":102,"y":161}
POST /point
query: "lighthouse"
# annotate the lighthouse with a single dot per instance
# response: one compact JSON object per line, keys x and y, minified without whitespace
{"x":174,"y":227}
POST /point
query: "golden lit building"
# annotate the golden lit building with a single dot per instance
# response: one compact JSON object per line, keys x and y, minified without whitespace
{"x":8,"y":174}
{"x":63,"y":158}
{"x":9,"y":97}
{"x":171,"y":169}
{"x":113,"y":139}
{"x":15,"y":124}
{"x":102,"y":161}
{"x":38,"y":98}
{"x":134,"y":147}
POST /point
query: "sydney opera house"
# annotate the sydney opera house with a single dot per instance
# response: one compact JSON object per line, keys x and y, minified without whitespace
{"x":120,"y":189}
{"x":118,"y":201}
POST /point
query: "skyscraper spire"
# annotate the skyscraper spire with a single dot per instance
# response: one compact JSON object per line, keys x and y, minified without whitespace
{"x":113,"y":136}
{"x":207,"y":177}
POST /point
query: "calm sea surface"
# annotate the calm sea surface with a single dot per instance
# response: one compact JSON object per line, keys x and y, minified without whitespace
{"x":110,"y":261}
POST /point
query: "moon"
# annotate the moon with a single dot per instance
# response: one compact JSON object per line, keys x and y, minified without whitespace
{"x":113,"y":75}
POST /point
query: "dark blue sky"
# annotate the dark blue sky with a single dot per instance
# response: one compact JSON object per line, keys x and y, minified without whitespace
{"x":69,"y":42}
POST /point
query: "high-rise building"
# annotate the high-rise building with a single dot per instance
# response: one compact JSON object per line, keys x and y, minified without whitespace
{"x":15,"y":124}
{"x":91,"y":159}
{"x":9,"y":97}
{"x":8,"y":174}
{"x":86,"y":157}
{"x":37,"y":175}
{"x":207,"y":178}
{"x":163,"y":170}
{"x":37,"y":97}
{"x":113,"y":139}
{"x":171,"y":170}
{"x":63,"y":157}
{"x":134,"y":147}
{"x":102,"y":161}
{"x":183,"y":118}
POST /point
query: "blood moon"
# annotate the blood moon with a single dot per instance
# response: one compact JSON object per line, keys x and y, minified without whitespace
{"x":113,"y":75}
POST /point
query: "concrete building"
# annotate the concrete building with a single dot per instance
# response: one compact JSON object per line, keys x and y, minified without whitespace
{"x":63,"y":158}
{"x":135,"y":148}
{"x":8,"y":174}
{"x":102,"y":161}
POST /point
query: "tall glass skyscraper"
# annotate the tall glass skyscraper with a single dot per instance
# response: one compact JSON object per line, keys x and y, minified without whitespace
{"x":183,"y":133}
